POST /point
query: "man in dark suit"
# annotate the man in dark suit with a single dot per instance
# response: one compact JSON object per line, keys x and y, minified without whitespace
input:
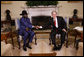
{"x":26,"y":30}
{"x":58,"y":26}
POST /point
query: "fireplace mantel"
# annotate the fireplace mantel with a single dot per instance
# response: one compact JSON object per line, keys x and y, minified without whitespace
{"x":51,"y":6}
{"x":40,"y":10}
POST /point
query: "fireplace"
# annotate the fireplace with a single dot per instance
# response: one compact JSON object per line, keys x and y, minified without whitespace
{"x":40,"y":20}
{"x":40,"y":15}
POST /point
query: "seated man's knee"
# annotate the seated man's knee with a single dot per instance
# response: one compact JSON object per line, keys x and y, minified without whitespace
{"x":25,"y":35}
{"x":32,"y":33}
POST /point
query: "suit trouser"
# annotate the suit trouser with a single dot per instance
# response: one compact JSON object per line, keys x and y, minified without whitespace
{"x":53,"y":34}
{"x":28,"y":35}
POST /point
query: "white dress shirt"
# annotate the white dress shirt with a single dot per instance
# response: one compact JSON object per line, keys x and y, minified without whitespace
{"x":56,"y":22}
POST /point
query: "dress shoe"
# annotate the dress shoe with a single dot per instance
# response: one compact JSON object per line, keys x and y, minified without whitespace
{"x":55,"y":48}
{"x":24,"y":48}
{"x":29,"y":46}
{"x":59,"y":47}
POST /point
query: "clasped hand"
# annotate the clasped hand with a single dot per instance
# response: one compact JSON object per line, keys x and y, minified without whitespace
{"x":37,"y":27}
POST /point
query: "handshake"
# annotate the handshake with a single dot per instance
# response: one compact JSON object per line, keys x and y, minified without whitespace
{"x":37,"y":27}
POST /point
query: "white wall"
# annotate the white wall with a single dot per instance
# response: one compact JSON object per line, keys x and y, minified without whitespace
{"x":66,"y":10}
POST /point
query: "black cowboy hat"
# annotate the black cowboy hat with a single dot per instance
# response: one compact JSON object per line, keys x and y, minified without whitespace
{"x":24,"y":12}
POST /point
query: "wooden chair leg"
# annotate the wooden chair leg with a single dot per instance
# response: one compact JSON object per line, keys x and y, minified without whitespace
{"x":18,"y":42}
{"x":35,"y":40}
{"x":49,"y":41}
{"x":67,"y":41}
{"x":75,"y":41}
{"x":19,"y":45}
{"x":76,"y":45}
{"x":12,"y":42}
{"x":5,"y":40}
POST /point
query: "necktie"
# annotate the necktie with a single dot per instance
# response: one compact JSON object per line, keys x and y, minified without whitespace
{"x":55,"y":23}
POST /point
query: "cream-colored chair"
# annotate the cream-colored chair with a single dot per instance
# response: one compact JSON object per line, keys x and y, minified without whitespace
{"x":67,"y":24}
{"x":6,"y":49}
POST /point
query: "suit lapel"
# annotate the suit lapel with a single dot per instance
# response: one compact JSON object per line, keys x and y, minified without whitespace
{"x":53,"y":22}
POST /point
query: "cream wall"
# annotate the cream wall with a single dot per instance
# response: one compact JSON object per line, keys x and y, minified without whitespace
{"x":65,"y":9}
{"x":15,"y":8}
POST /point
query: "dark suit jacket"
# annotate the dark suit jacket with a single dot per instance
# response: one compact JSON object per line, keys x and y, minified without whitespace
{"x":61,"y":23}
{"x":24,"y":23}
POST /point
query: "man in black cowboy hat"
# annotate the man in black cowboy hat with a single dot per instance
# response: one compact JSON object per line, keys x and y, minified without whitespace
{"x":26,"y":30}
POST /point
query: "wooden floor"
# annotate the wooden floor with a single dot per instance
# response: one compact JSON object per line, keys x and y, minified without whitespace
{"x":44,"y":47}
